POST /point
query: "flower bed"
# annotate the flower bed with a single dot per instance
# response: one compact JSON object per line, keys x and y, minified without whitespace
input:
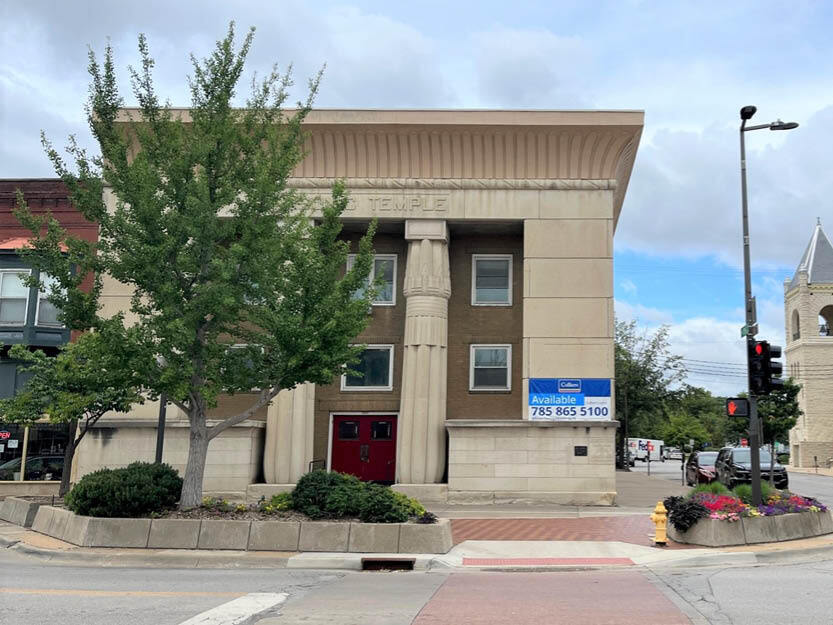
{"x":719,"y":519}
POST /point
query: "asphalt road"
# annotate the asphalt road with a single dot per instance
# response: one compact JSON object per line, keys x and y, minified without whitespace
{"x":39,"y":593}
{"x":807,"y":484}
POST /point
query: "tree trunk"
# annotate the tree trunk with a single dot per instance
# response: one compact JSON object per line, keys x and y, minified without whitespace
{"x":772,"y":463}
{"x":195,"y":467}
{"x":69,"y":454}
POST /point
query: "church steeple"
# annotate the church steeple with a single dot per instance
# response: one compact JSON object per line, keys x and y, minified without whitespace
{"x":817,"y":260}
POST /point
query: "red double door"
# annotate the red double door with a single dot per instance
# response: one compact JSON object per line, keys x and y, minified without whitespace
{"x":365,"y":446}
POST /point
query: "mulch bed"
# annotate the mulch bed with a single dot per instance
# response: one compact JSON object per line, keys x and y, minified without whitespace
{"x":252,"y":514}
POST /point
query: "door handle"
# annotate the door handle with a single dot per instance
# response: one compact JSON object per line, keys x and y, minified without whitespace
{"x":364,"y":453}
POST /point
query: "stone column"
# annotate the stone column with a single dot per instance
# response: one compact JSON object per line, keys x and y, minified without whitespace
{"x":289,"y":428}
{"x":421,"y":428}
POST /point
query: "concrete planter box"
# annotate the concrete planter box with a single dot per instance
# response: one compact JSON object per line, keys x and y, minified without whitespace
{"x":755,"y":530}
{"x":19,"y":511}
{"x":374,"y":538}
{"x":274,"y":536}
{"x":324,"y":536}
{"x":224,"y":535}
{"x":244,"y":535}
{"x":174,"y":533}
{"x":430,"y":538}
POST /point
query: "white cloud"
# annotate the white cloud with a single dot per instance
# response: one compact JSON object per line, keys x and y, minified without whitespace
{"x":642,"y":314}
{"x":628,"y":287}
{"x":684,"y":197}
{"x":533,"y":67}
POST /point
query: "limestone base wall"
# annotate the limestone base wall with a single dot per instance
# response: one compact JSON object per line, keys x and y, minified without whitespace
{"x":567,"y":462}
{"x":808,"y":452}
{"x":234,"y":458}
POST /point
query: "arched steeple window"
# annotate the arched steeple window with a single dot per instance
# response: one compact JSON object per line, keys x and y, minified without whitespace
{"x":826,"y":321}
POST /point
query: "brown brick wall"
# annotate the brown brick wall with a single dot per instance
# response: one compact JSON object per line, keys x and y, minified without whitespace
{"x":469,"y":325}
{"x":387,"y":326}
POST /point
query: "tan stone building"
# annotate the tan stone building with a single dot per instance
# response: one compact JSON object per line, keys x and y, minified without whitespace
{"x":808,"y":314}
{"x":495,"y":244}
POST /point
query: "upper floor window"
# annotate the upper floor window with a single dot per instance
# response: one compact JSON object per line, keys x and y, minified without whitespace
{"x":47,"y":311}
{"x":384,"y":268}
{"x":491,"y":283}
{"x":490,"y":368}
{"x":376,"y":368}
{"x":14,"y":297}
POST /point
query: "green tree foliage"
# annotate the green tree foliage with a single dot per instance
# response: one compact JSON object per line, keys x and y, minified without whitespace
{"x":683,"y":427}
{"x":646,"y":375}
{"x":709,"y":411}
{"x":94,"y":375}
{"x":218,"y":250}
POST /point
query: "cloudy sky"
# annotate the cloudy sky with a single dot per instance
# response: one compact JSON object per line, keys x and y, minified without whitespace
{"x":689,"y":65}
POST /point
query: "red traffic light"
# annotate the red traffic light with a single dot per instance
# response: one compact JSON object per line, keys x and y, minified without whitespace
{"x":759,"y":348}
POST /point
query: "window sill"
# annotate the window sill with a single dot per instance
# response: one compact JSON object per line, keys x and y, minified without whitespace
{"x":366,"y":389}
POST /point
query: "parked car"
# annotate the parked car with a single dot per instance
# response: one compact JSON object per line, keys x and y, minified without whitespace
{"x":734,"y":466}
{"x":699,"y":469}
{"x":37,"y":468}
{"x":672,"y":453}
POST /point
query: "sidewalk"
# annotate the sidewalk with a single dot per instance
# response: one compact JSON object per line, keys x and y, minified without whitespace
{"x":819,"y":471}
{"x":484,"y":536}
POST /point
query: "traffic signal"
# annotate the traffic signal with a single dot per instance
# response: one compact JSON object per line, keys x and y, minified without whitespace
{"x":764,"y":373}
{"x":737,"y":407}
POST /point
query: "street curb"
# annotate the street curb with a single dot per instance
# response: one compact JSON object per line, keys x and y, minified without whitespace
{"x":8,"y":542}
{"x":119,"y":558}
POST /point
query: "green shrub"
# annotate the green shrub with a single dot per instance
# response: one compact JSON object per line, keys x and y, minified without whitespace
{"x":310,"y":493}
{"x":715,"y":488}
{"x":346,"y":499}
{"x":380,"y":505}
{"x":744,"y":492}
{"x":415,"y":508}
{"x":279,"y":502}
{"x":321,"y":494}
{"x":139,"y":489}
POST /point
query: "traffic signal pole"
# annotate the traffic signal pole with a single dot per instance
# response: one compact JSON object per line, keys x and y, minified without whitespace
{"x":754,"y":443}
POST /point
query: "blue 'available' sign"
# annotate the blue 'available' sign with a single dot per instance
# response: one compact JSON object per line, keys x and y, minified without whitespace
{"x":569,"y":399}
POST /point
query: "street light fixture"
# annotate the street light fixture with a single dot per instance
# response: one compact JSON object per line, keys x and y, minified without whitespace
{"x":746,"y":113}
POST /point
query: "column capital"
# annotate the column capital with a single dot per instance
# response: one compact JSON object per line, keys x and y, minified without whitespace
{"x":431,"y":229}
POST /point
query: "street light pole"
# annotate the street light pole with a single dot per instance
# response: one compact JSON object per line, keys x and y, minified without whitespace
{"x":746,"y":114}
{"x":754,"y":444}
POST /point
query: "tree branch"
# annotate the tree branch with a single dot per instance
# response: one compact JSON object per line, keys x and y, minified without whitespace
{"x":265,"y":397}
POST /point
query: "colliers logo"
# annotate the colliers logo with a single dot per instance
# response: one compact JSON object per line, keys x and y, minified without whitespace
{"x":569,"y":386}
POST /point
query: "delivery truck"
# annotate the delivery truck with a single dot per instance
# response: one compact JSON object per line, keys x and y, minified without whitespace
{"x":641,"y":448}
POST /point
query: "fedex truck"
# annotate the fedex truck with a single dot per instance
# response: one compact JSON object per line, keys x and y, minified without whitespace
{"x":641,"y":448}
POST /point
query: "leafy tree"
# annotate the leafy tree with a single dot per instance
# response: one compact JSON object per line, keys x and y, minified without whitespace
{"x":705,"y":408}
{"x":646,"y":373}
{"x":681,"y":428}
{"x":87,"y":379}
{"x":778,"y":412}
{"x":234,"y":287}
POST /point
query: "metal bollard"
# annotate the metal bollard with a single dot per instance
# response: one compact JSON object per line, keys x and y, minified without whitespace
{"x":660,"y":519}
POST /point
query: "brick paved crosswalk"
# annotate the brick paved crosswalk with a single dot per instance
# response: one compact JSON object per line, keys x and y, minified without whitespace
{"x":629,"y":529}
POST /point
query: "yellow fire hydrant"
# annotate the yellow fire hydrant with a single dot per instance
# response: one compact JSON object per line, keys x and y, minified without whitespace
{"x":660,"y":519}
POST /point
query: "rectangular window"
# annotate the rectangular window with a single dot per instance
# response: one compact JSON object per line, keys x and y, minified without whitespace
{"x":490,"y":368}
{"x":384,"y":267}
{"x":47,"y":311}
{"x":14,"y":297}
{"x":376,"y":367}
{"x":491,"y":283}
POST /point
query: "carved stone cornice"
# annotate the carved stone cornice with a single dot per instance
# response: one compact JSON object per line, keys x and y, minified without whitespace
{"x":448,"y":184}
